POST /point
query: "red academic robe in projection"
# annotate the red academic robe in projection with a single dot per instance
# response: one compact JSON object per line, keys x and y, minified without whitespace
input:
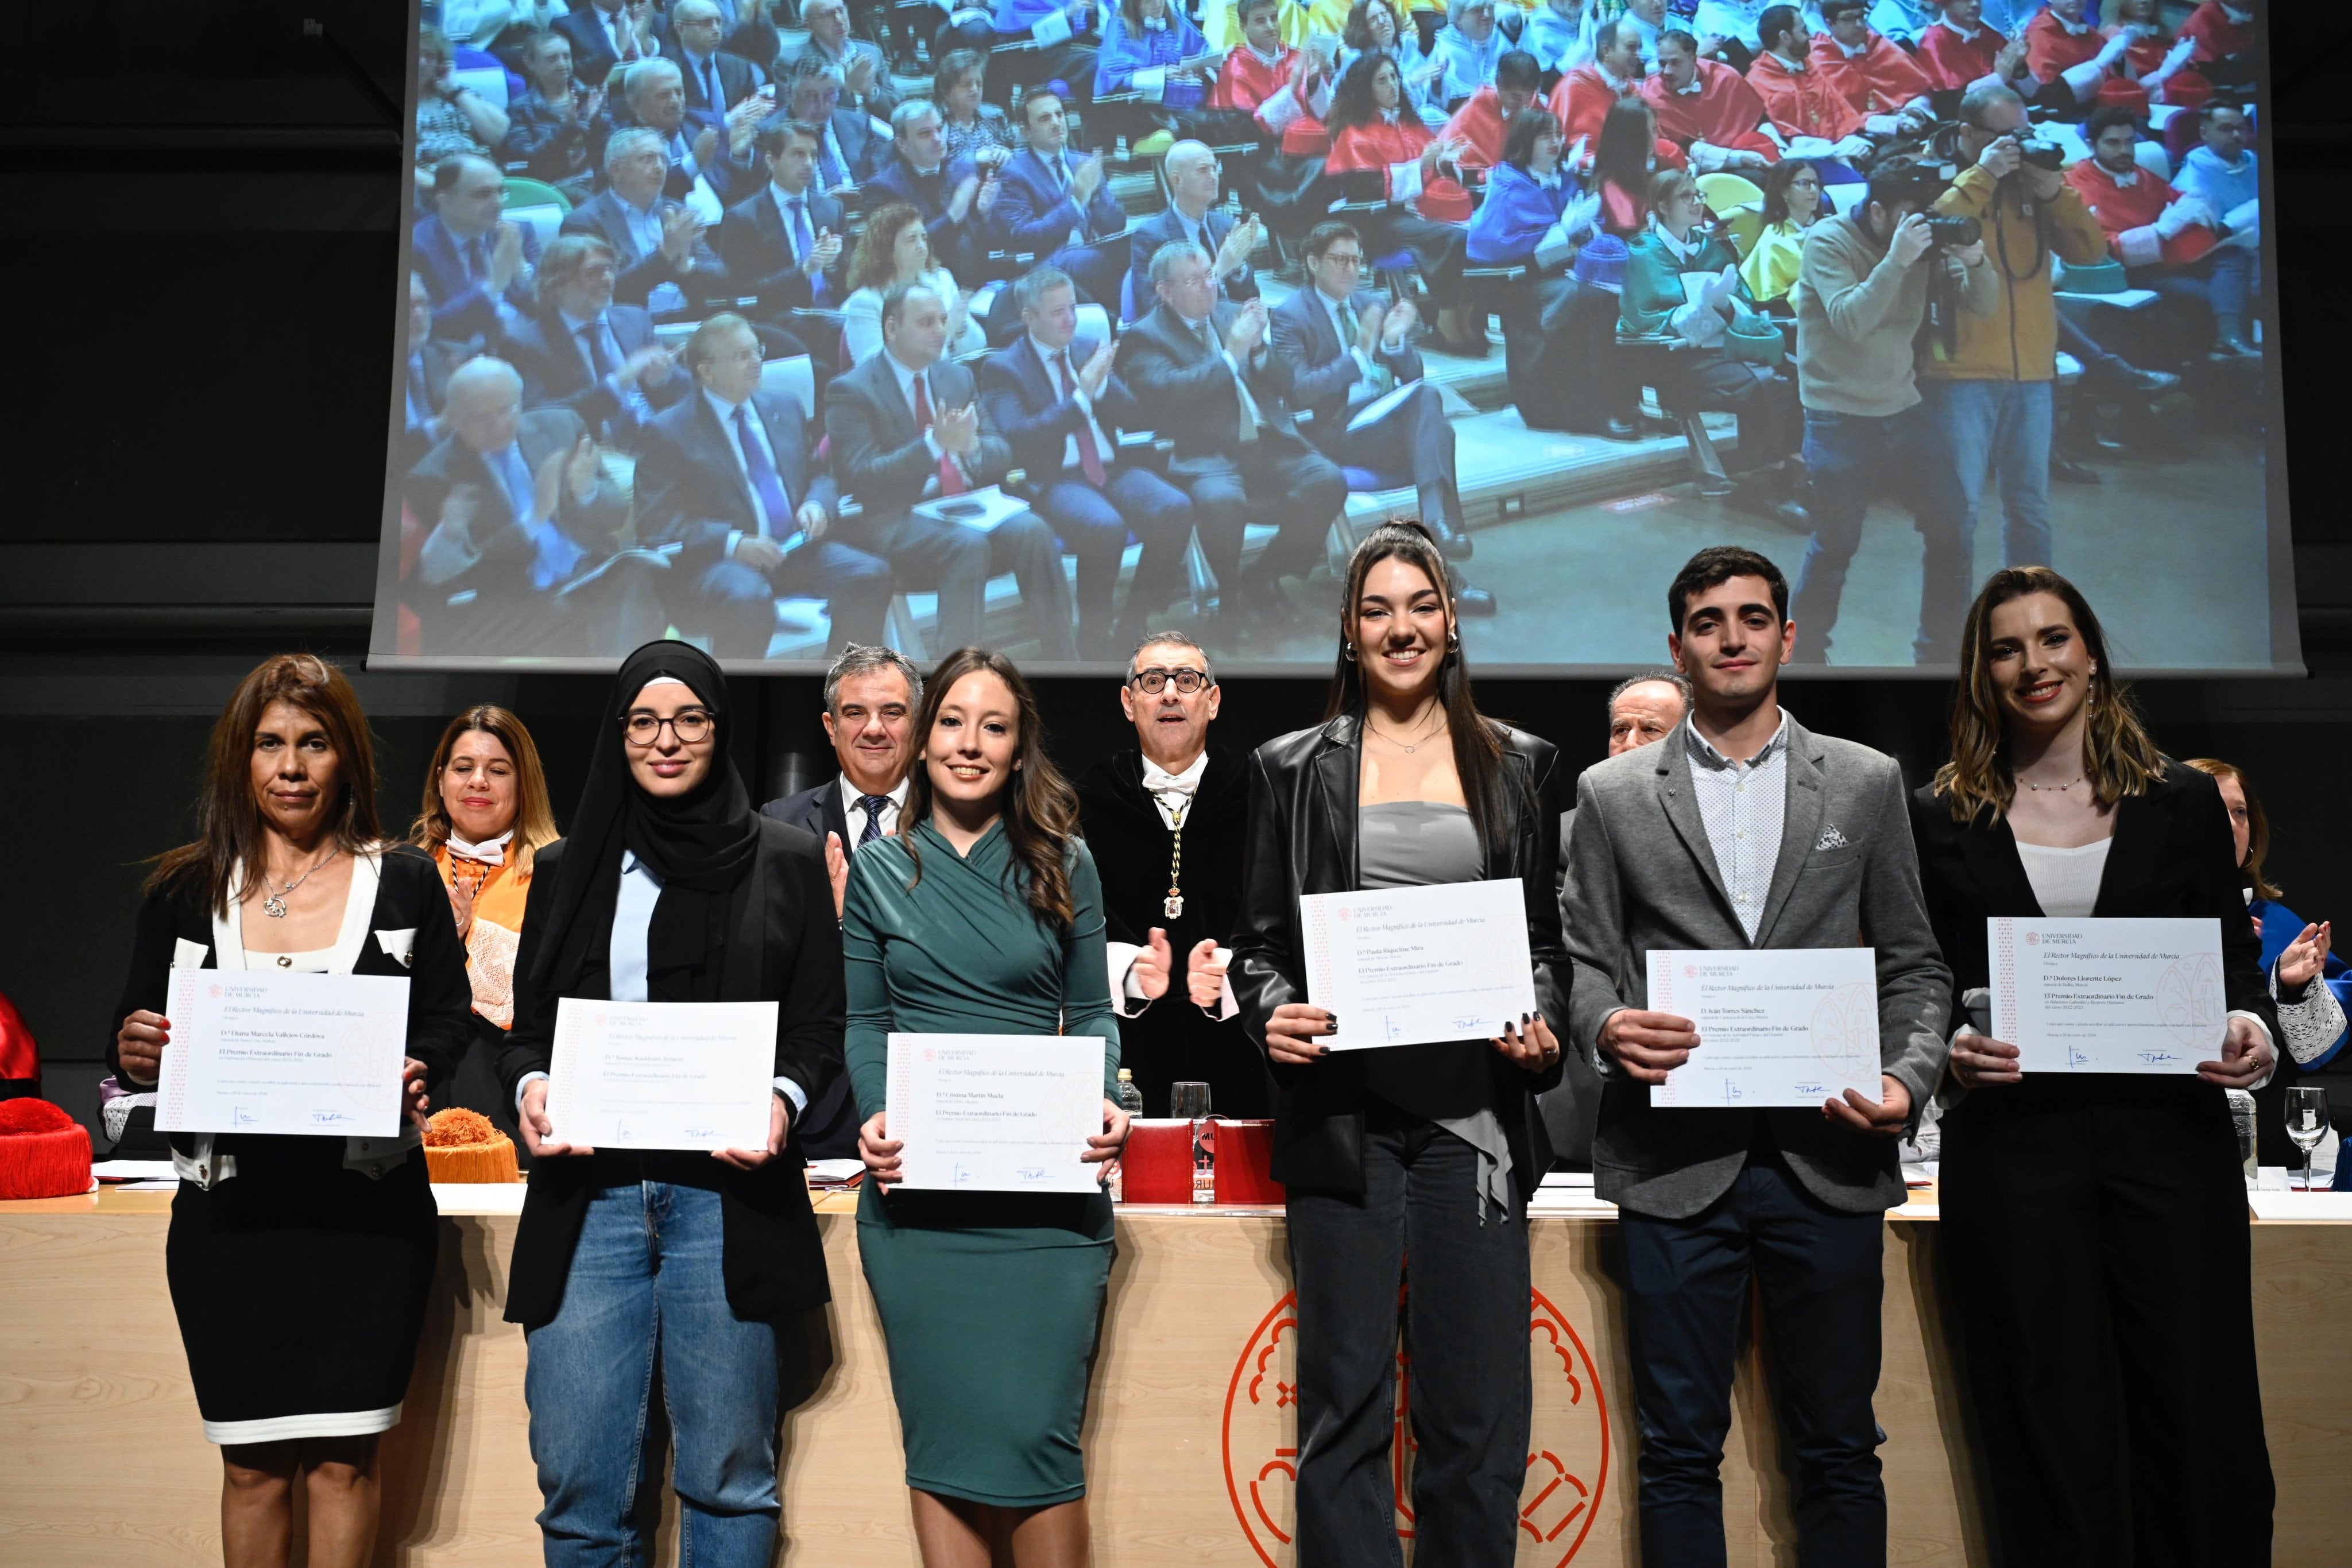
{"x":2127,"y":216}
{"x":1721,"y":110}
{"x":1952,"y":61}
{"x":1803,"y":103}
{"x":1479,"y":122}
{"x":2051,"y":51}
{"x":2219,"y":34}
{"x":1581,"y":100}
{"x":1384,"y":146}
{"x":1882,"y":79}
{"x":1264,"y":91}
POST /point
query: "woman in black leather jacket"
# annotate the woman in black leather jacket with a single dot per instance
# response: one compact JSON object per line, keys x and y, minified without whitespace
{"x":1427,"y":1151}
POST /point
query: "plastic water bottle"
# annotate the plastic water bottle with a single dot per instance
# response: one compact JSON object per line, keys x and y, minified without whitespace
{"x":1130,"y":1100}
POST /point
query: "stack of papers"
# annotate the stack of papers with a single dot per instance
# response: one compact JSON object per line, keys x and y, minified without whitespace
{"x":1569,"y":1194}
{"x":833,"y":1175}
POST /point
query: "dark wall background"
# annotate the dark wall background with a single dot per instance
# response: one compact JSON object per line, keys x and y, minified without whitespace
{"x":199,"y":210}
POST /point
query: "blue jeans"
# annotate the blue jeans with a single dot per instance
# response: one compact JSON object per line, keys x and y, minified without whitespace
{"x":645,"y":1285}
{"x":1850,"y":458}
{"x":1687,"y":1286}
{"x":2000,"y":428}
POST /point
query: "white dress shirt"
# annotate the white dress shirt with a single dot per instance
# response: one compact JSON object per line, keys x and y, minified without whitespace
{"x":1051,"y":359}
{"x":770,"y":528}
{"x":1369,"y":373}
{"x":1743,"y":805}
{"x":854,"y":814}
{"x":932,"y":395}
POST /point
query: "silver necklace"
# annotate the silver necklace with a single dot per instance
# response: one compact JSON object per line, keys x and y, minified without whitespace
{"x":2052,"y":789}
{"x":1392,"y":740}
{"x":274,"y":905}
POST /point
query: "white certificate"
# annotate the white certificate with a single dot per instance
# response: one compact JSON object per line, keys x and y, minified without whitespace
{"x":662,"y":1075}
{"x":267,"y":1050}
{"x":1406,"y":966}
{"x":2108,"y":995}
{"x":996,"y":1112}
{"x":1775,"y":1027}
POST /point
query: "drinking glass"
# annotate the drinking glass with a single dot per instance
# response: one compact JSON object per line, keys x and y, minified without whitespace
{"x":2306,"y":1123}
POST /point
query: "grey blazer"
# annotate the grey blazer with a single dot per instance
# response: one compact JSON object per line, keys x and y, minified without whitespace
{"x":1642,"y":876}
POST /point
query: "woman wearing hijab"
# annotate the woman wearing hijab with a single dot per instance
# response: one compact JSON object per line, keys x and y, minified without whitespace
{"x":983,"y":915}
{"x":1426,"y":1152}
{"x":670,"y":888}
{"x":299,"y":1266}
{"x":485,"y":819}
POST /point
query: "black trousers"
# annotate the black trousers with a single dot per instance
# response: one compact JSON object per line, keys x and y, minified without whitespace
{"x":1277,"y":479}
{"x":1093,"y":525}
{"x":2100,"y":1262}
{"x":1413,"y":441}
{"x":1465,"y":1332}
{"x":1688,"y":1283}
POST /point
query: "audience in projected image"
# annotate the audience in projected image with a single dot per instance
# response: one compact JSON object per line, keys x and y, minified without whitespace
{"x":1623,"y":193}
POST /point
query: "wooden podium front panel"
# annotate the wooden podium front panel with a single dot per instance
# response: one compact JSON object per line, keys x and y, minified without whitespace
{"x":1188,"y":1437}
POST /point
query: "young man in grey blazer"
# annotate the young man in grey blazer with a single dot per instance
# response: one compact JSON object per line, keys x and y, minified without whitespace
{"x":1740,"y":829}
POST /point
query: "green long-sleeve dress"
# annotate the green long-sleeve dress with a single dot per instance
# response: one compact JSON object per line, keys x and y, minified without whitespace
{"x":989,"y":1301}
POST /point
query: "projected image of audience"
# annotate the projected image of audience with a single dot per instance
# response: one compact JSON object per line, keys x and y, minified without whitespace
{"x":776,"y":345}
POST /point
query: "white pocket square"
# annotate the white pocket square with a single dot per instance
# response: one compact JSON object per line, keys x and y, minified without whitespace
{"x":400,"y":946}
{"x":1831,"y":839}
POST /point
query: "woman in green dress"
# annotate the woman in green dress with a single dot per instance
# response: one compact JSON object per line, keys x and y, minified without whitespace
{"x":983,"y":915}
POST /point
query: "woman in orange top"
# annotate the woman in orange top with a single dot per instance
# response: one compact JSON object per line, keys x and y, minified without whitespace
{"x":1372,"y":131}
{"x":485,"y":816}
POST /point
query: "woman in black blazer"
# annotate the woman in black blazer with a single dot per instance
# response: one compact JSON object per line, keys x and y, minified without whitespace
{"x":299,"y":1266}
{"x":670,"y":888}
{"x":1429,"y":1151}
{"x":2096,"y":1224}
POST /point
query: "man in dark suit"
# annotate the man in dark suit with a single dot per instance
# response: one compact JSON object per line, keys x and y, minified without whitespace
{"x":666,"y":263}
{"x":1061,"y":408}
{"x":1742,"y":830}
{"x":727,"y":475}
{"x":1194,"y":181}
{"x":474,"y":262}
{"x":425,"y":378}
{"x":522,"y":517}
{"x":907,"y":427}
{"x":603,"y":33}
{"x":698,"y":33}
{"x":584,"y":352}
{"x":866,"y":84}
{"x":1059,"y":208}
{"x":854,"y":145}
{"x":1348,"y":348}
{"x":957,"y":200}
{"x":871,"y":694}
{"x":700,"y":144}
{"x":783,"y":245}
{"x":1203,"y":368}
{"x":557,"y":131}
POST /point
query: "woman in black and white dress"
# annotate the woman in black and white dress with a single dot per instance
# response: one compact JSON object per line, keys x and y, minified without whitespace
{"x":299,"y":1266}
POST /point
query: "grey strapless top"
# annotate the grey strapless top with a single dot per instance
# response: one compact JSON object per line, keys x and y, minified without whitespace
{"x":1416,"y":843}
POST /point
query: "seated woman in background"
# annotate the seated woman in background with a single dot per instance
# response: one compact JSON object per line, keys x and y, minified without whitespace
{"x":895,"y":249}
{"x":1374,"y":27}
{"x":1725,"y":351}
{"x":1792,"y":203}
{"x":1151,"y":48}
{"x":2295,"y":953}
{"x":485,"y":817}
{"x":1371,"y":133}
{"x":1558,"y":334}
{"x":969,"y":127}
{"x":1622,"y":166}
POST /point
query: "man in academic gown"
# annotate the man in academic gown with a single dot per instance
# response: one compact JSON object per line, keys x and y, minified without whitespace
{"x":1130,"y":806}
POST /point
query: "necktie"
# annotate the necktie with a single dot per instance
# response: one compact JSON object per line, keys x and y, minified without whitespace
{"x":1089,"y":455}
{"x":477,"y":261}
{"x":515,"y":475}
{"x":762,"y":474}
{"x":591,"y":338}
{"x":1349,"y":326}
{"x":829,"y":167}
{"x":420,"y":404}
{"x":873,"y":806}
{"x":1241,"y":381}
{"x":717,"y":94}
{"x":950,"y":476}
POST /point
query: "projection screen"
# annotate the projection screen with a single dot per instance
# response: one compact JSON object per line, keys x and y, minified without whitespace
{"x":596,"y":310}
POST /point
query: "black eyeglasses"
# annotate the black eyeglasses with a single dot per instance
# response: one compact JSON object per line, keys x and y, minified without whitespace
{"x":643,"y":729}
{"x":1154,"y":681}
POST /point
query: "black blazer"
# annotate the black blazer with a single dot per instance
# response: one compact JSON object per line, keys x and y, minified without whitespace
{"x":691,"y":491}
{"x":603,"y":217}
{"x":818,"y":811}
{"x":409,"y":897}
{"x":2172,"y":856}
{"x":1302,"y":839}
{"x":1192,"y":392}
{"x":773,"y":1259}
{"x":1024,"y":402}
{"x":1321,"y":369}
{"x":879,"y":456}
{"x":738,"y":78}
{"x":556,"y":369}
{"x":759,"y":257}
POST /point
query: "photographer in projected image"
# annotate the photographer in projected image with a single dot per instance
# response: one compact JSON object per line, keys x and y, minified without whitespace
{"x":1990,"y":391}
{"x":1869,"y":278}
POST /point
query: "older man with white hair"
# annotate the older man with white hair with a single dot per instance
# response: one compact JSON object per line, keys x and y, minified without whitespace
{"x":1195,"y":181}
{"x":956,"y":196}
{"x":700,"y":145}
{"x":865,"y":83}
{"x":716,"y":81}
{"x":520,"y":514}
{"x":657,"y":239}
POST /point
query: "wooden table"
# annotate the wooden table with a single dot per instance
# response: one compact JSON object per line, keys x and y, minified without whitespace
{"x":1187,"y":1438}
